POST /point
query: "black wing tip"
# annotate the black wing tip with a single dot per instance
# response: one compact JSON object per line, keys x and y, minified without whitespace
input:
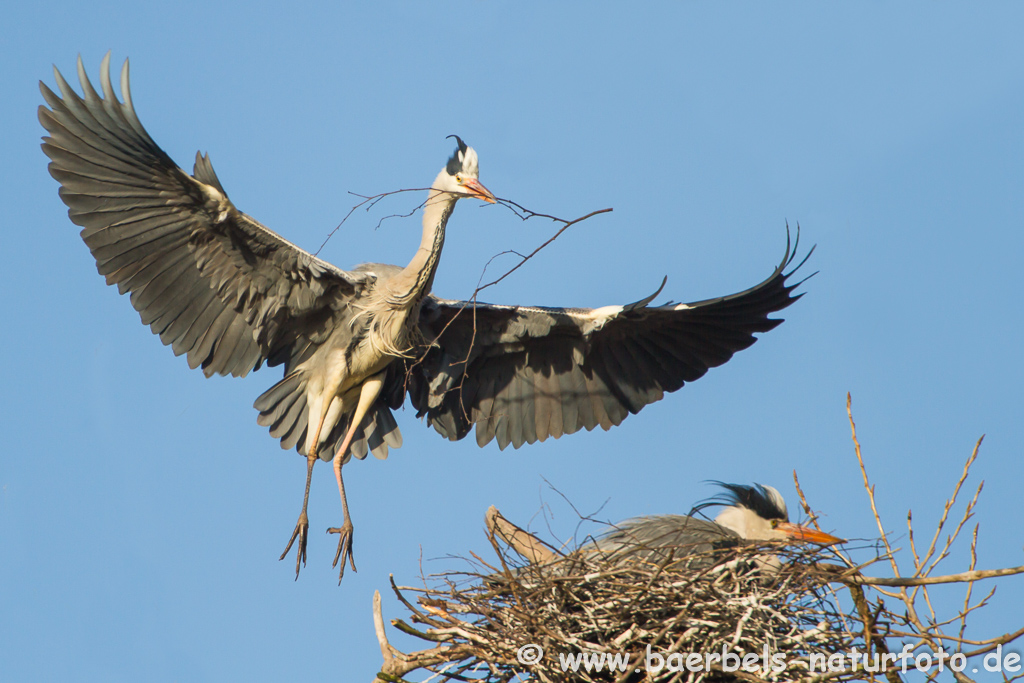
{"x":770,"y":289}
{"x":792,"y":249}
{"x":788,"y":260}
{"x":781,"y":274}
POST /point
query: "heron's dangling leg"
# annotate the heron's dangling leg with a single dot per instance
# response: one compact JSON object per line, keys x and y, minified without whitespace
{"x":302,"y":527}
{"x":368,"y":393}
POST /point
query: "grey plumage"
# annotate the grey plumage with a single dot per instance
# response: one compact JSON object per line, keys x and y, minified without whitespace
{"x":749,"y":514}
{"x":231,"y":295}
{"x":521,"y":374}
{"x":654,"y":538}
{"x":212,"y":282}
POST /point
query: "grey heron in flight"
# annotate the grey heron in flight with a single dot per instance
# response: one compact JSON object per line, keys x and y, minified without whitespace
{"x":232,"y":295}
{"x":749,"y":514}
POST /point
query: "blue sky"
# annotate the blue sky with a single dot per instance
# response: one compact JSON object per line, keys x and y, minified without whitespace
{"x":142,"y":509}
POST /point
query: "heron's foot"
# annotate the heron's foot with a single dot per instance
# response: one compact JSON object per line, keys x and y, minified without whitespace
{"x":344,"y":548}
{"x":302,"y":533}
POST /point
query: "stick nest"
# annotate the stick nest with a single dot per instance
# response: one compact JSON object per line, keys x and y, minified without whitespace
{"x":591,"y":603}
{"x":688,"y":604}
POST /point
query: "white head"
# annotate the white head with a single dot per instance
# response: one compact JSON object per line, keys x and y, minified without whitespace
{"x":758,"y":513}
{"x":460,"y":176}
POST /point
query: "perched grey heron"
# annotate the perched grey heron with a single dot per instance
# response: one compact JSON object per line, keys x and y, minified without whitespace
{"x":231,"y":295}
{"x":749,"y":514}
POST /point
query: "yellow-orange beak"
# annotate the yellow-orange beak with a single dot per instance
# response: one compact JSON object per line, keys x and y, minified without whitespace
{"x":474,"y":188}
{"x":805,"y":534}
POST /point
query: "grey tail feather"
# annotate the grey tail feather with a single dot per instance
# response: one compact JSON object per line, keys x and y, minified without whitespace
{"x":283,"y":408}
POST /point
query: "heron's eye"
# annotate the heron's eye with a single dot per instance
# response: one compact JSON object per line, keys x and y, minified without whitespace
{"x":775,"y":523}
{"x":458,"y":178}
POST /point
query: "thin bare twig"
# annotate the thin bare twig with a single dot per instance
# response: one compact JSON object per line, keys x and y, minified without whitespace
{"x":524,"y":259}
{"x":952,"y":500}
{"x":970,"y":584}
{"x":369,"y":201}
{"x":869,"y":487}
{"x":586,"y":602}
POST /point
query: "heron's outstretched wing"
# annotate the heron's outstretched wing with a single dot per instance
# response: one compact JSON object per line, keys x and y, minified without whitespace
{"x":211,"y":281}
{"x":521,"y":374}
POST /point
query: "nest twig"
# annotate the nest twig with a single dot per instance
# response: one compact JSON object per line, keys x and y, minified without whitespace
{"x":740,"y":614}
{"x":641,"y":611}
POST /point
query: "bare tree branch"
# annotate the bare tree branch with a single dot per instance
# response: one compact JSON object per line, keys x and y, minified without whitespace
{"x":962,"y":577}
{"x":583,"y":602}
{"x":524,"y":259}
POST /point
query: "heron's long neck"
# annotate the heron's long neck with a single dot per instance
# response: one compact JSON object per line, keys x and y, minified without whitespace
{"x":416,"y":279}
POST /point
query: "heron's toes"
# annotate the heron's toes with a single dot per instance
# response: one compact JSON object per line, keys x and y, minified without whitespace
{"x":344,"y":548}
{"x":302,"y":533}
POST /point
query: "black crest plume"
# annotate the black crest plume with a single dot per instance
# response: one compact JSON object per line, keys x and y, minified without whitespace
{"x":455,"y":163}
{"x":754,"y":498}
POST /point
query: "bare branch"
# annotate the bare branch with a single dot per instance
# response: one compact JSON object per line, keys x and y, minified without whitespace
{"x":369,"y":201}
{"x":524,"y":259}
{"x":996,"y":642}
{"x":588,"y":601}
{"x":868,"y":487}
{"x":970,"y":584}
{"x":964,"y":577}
{"x":952,"y":500}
